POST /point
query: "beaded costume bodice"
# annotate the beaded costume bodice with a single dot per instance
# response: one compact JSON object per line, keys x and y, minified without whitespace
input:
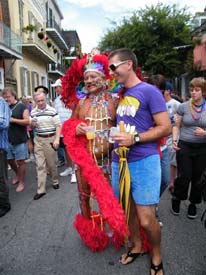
{"x":99,"y":112}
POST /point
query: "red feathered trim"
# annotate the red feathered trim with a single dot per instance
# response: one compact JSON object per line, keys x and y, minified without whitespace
{"x":91,"y":233}
{"x":109,"y":206}
{"x":69,"y":83}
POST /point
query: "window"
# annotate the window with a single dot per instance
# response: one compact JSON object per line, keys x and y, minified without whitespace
{"x":25,"y":81}
{"x":34,"y":80}
{"x":43,"y":80}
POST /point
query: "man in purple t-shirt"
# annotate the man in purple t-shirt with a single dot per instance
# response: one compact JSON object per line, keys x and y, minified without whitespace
{"x":146,"y":120}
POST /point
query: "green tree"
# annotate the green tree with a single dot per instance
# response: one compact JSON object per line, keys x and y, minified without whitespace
{"x":154,"y":34}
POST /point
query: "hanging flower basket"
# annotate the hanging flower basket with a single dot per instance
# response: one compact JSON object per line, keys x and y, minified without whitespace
{"x":40,"y":35}
{"x":49,"y":44}
{"x":55,"y":50}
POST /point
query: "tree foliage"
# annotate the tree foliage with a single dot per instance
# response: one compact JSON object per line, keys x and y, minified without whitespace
{"x":153,"y":33}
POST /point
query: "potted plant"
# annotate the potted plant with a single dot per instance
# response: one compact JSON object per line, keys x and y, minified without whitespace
{"x":29,"y":28}
{"x":49,"y":44}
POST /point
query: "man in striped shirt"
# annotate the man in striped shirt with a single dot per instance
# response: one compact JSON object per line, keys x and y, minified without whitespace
{"x":4,"y":144}
{"x":46,"y":122}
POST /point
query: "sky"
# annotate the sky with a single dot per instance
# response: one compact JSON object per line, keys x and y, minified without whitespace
{"x":92,"y":18}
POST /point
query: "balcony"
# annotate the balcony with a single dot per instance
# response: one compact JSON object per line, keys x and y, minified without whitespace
{"x":38,"y":47}
{"x":56,"y":69}
{"x":10,"y":43}
{"x":54,"y":31}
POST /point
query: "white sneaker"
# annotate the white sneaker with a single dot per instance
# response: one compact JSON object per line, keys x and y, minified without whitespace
{"x":27,"y":160}
{"x":66,"y":172}
{"x":32,"y":158}
{"x":73,"y":178}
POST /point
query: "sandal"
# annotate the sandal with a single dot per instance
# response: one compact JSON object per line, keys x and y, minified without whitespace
{"x":20,"y":188}
{"x":133,"y":257}
{"x":14,"y":182}
{"x":156,"y":268}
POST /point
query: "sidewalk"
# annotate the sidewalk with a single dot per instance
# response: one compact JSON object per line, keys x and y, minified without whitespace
{"x":38,"y":238}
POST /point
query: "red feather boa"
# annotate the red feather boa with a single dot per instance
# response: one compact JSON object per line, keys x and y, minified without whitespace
{"x":91,"y":232}
{"x":93,"y":236}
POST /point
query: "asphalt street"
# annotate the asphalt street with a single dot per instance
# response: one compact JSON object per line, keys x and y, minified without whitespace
{"x":38,"y":237}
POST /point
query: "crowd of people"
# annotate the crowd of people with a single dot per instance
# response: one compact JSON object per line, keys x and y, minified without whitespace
{"x":159,"y":143}
{"x":34,"y":126}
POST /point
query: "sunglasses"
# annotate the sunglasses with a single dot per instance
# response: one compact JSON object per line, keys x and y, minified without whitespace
{"x":114,"y":66}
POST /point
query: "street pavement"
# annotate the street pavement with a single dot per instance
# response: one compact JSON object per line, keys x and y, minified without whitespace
{"x":38,"y":237}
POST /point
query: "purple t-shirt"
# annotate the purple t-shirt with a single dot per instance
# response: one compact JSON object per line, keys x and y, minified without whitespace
{"x":140,"y":102}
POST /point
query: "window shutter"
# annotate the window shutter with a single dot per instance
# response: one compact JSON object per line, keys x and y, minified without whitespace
{"x":37,"y":79}
{"x":28,"y":83}
{"x":33,"y":74}
{"x":30,"y":15}
{"x":22,"y":82}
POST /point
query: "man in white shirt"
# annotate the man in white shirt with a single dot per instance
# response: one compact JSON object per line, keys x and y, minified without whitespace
{"x":64,"y":114}
{"x":47,"y":124}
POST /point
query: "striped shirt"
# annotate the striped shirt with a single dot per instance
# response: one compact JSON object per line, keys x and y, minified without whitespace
{"x":47,"y":120}
{"x":4,"y":124}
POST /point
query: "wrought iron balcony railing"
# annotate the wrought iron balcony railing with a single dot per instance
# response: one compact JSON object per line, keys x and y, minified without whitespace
{"x":56,"y":33}
{"x":53,"y":25}
{"x":9,"y":39}
{"x":53,"y":68}
{"x":39,"y":47}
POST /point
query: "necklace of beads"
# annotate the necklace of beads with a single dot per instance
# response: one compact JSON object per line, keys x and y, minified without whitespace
{"x":98,"y":107}
{"x":196,"y":109}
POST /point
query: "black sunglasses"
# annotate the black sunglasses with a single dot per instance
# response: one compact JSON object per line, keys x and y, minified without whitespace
{"x":114,"y":66}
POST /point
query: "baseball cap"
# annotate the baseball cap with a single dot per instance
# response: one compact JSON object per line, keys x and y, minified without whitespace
{"x":57,"y":83}
{"x":168,"y":86}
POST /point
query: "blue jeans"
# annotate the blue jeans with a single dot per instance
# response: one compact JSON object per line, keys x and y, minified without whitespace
{"x":61,"y":155}
{"x":61,"y":151}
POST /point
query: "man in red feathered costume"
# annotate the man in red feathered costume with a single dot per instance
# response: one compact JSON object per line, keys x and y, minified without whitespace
{"x":96,"y":110}
{"x":86,"y":139}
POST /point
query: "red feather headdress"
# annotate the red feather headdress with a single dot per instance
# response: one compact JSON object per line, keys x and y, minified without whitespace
{"x":74,"y":76}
